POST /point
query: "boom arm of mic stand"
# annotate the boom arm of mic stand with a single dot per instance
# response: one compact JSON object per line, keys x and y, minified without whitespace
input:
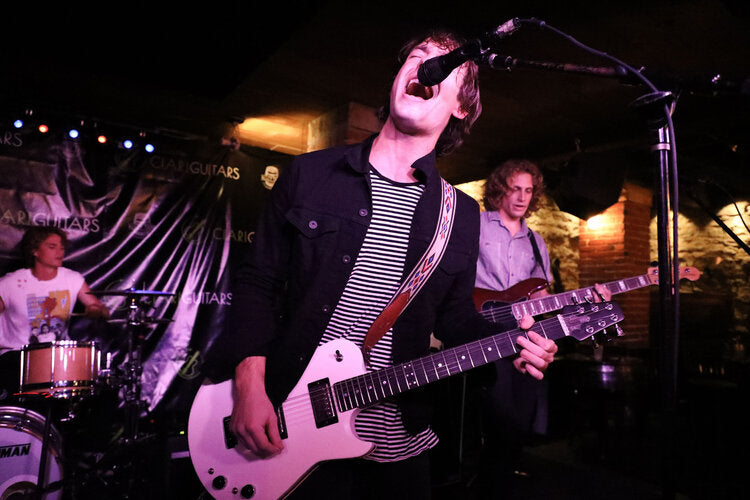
{"x":498,"y":61}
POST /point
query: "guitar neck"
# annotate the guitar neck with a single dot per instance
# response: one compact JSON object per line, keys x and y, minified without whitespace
{"x":541,"y":305}
{"x":369,"y":388}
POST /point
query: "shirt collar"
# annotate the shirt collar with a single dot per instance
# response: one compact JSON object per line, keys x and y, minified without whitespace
{"x":494,"y":215}
{"x":359,"y":159}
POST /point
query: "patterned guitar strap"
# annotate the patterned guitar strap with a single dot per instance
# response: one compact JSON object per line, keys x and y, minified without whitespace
{"x":417,"y":278}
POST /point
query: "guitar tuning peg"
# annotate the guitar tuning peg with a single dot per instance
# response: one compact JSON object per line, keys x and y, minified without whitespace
{"x":619,"y":331}
{"x":594,"y":342}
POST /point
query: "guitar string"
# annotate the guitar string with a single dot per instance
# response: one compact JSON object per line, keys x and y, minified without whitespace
{"x":299,"y":408}
{"x":367,"y":392}
{"x":363,"y":390}
{"x":449,"y":365}
{"x":506,"y":310}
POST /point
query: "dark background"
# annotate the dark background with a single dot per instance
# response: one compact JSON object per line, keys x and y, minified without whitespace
{"x":192,"y":69}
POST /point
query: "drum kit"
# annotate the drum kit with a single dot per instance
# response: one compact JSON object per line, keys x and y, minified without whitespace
{"x":56,"y":380}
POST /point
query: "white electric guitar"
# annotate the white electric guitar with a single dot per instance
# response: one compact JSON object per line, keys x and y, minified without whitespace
{"x":317,"y":419}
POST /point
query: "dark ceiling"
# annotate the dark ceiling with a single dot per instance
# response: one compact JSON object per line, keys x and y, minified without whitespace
{"x":191,"y":69}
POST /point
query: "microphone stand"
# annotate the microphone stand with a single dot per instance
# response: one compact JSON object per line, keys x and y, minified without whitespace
{"x":655,"y":109}
{"x":499,"y":61}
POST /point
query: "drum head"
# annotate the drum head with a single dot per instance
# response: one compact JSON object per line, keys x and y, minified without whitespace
{"x":21,"y":432}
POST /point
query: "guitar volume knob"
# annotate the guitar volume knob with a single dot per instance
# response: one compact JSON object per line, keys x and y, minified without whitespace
{"x":247,"y":491}
{"x":219,"y":482}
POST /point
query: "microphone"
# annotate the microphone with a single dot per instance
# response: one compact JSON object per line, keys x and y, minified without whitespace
{"x":507,"y":28}
{"x":435,"y":70}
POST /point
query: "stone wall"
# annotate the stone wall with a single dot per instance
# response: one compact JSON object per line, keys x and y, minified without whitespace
{"x":720,"y":299}
{"x":559,"y":229}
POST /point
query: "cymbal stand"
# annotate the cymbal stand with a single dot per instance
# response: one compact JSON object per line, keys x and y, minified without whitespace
{"x":43,"y":459}
{"x":133,"y":370}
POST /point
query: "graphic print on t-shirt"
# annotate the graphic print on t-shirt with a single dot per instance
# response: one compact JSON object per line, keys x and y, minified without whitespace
{"x":48,"y":315}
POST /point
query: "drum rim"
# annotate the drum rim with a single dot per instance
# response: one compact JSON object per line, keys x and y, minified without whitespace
{"x":34,"y":426}
{"x":59,"y":384}
{"x":61,"y":343}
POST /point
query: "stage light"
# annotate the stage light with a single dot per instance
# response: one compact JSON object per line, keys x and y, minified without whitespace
{"x":599,"y":222}
{"x":18,"y":123}
{"x":73,"y":133}
{"x":149,"y":148}
{"x":102,"y":139}
{"x":43,"y":128}
{"x":127,"y":144}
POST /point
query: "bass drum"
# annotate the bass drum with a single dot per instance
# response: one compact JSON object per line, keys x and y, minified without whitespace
{"x":21,"y":432}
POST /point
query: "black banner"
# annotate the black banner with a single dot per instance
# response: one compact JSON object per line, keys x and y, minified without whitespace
{"x":174,"y":220}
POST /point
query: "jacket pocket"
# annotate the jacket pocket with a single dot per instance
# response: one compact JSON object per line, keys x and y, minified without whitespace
{"x":312,"y":224}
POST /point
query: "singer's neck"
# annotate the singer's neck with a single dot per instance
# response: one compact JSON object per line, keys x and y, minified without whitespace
{"x":394,"y":152}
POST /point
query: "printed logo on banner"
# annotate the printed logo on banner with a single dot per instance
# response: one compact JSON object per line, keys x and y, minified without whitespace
{"x":23,"y":218}
{"x":191,"y":368}
{"x":269,"y":176}
{"x":141,"y":225}
{"x":192,"y":228}
{"x":193,"y":167}
{"x":207,"y":297}
{"x":13,"y":139}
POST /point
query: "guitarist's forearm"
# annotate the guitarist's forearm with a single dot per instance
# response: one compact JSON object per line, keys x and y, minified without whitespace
{"x":250,"y":374}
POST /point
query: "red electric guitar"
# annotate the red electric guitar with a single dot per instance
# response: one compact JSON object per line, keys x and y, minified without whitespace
{"x":515,"y":302}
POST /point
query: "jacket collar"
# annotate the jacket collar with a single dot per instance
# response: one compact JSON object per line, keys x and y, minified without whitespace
{"x":358,"y":157}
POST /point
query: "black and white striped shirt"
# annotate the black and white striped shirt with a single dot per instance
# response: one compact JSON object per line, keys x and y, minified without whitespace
{"x":374,"y":279}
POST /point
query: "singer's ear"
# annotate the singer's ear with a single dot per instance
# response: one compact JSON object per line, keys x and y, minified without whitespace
{"x":459,"y":112}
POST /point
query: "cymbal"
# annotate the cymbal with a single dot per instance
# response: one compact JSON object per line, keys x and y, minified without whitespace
{"x":150,"y":321}
{"x":129,"y":292}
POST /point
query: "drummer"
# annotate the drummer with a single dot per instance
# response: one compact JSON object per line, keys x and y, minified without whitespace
{"x":36,"y":302}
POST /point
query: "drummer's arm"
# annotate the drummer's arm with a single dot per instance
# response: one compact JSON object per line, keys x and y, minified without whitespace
{"x":94,"y":307}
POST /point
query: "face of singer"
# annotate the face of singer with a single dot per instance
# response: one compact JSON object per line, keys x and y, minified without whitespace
{"x":516,"y":200}
{"x":50,"y":252}
{"x":419,"y":110}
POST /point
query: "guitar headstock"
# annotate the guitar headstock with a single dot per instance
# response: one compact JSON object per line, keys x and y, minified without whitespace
{"x":686,"y":272}
{"x":585,"y":320}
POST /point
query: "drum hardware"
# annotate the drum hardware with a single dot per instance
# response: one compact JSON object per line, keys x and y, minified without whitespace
{"x":133,"y":366}
{"x":58,"y":379}
{"x":130,"y":293}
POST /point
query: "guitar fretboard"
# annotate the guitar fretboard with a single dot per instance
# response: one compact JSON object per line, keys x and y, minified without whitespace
{"x":542,"y":305}
{"x":372,"y":387}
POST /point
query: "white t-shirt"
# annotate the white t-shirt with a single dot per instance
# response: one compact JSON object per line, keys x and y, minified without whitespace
{"x":36,"y":311}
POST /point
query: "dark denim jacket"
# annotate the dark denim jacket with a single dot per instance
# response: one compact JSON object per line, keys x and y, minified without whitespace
{"x":304,"y":249}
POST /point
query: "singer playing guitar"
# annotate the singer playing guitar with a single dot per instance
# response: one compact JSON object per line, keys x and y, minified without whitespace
{"x":342,"y":228}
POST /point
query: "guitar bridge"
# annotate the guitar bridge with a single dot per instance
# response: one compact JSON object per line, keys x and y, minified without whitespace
{"x":321,"y":400}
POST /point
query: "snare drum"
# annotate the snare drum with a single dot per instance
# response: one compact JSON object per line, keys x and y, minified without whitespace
{"x":61,"y":369}
{"x":21,"y":439}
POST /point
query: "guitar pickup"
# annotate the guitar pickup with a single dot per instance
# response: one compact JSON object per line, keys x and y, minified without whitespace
{"x":282,"y":422}
{"x":230,"y":440}
{"x":321,"y":400}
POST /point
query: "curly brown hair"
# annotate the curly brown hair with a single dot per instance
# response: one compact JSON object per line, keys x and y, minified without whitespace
{"x":35,"y":236}
{"x":497,"y":187}
{"x":457,"y":129}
